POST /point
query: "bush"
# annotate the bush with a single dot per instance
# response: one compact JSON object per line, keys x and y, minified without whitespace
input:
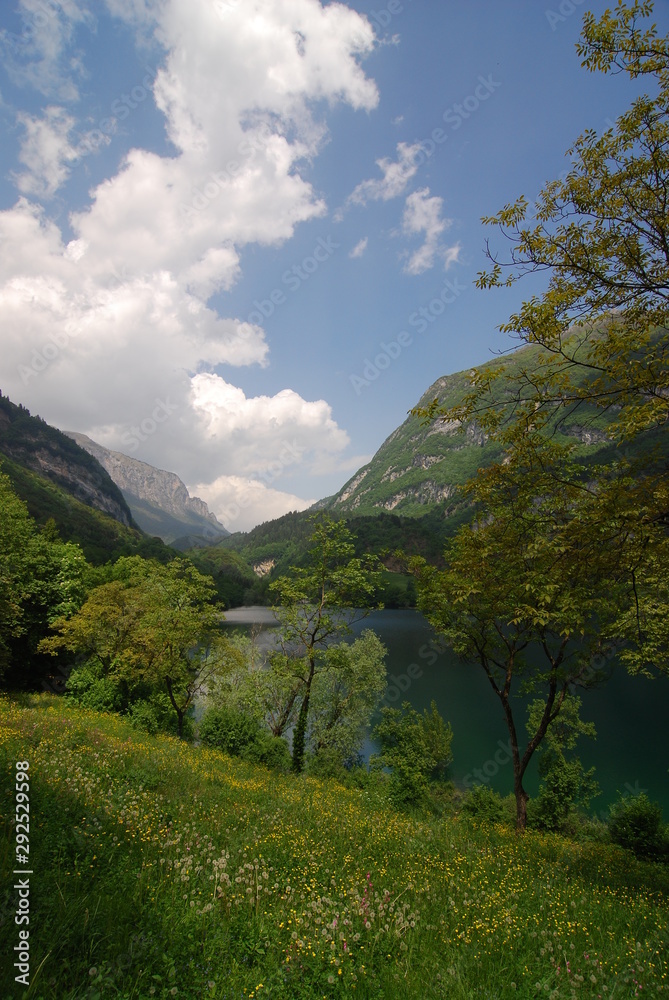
{"x":484,"y":805}
{"x":416,"y":748}
{"x":636,"y":824}
{"x":240,"y":735}
{"x":156,"y":715}
{"x":88,"y":687}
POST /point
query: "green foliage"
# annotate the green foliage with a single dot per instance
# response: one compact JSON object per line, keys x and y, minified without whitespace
{"x":153,"y":625}
{"x":416,"y":748}
{"x":347,"y":688}
{"x":242,"y":736}
{"x":565,"y":784}
{"x":598,"y":337}
{"x":636,"y":824}
{"x":40,"y":579}
{"x":485,"y":805}
{"x":133,"y":828}
{"x":316,"y":606}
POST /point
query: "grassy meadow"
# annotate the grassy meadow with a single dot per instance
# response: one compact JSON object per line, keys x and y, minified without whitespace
{"x":166,"y":870}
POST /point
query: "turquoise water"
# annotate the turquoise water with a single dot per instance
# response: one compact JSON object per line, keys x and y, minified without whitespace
{"x":631,"y":751}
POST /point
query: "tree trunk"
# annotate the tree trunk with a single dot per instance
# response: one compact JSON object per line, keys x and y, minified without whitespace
{"x":300,"y":732}
{"x":522,"y":799}
{"x":180,"y":712}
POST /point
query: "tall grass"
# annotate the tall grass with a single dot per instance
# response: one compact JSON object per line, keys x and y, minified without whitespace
{"x":163,"y":870}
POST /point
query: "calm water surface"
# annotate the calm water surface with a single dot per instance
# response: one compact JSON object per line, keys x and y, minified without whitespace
{"x":630,"y":713}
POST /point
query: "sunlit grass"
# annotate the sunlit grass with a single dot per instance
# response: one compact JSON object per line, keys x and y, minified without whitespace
{"x":164,"y":870}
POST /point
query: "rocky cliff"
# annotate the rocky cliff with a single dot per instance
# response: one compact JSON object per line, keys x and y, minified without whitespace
{"x":159,"y":500}
{"x":35,"y":445}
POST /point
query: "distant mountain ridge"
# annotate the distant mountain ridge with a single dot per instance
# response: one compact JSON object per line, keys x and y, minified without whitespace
{"x":160,"y":502}
{"x":33,"y":444}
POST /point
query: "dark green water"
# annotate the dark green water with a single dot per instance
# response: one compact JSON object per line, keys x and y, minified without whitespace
{"x":630,"y":713}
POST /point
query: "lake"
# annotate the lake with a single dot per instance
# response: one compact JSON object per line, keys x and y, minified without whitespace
{"x":631,"y":752}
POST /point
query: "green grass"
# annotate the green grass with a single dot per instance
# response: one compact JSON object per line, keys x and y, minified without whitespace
{"x":161,"y":869}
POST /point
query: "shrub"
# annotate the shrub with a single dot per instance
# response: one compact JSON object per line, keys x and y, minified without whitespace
{"x":241,"y":735}
{"x":156,"y":715}
{"x":416,"y":748}
{"x":485,"y":805}
{"x":88,"y":687}
{"x":636,"y":824}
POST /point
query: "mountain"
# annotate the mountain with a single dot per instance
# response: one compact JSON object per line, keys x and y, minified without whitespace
{"x":61,"y":482}
{"x":419,"y":466}
{"x":158,"y":500}
{"x":32,"y":443}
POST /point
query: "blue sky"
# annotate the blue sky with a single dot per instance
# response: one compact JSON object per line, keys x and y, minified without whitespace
{"x":217,"y":216}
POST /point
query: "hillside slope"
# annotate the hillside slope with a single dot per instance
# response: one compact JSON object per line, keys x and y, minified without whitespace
{"x":419,"y":466}
{"x":162,"y":869}
{"x":32,"y":443}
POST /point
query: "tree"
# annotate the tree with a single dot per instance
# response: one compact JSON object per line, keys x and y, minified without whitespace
{"x":416,"y":748}
{"x":346,"y":690}
{"x":597,"y":339}
{"x":40,"y":578}
{"x":511,"y":586}
{"x":316,"y":606}
{"x":155,"y":624}
{"x":565,"y":784}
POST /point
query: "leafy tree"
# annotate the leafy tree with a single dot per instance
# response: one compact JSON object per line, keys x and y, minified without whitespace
{"x":512,"y":585}
{"x":346,"y":690}
{"x":41,"y":577}
{"x":317,"y":605}
{"x":416,"y":748}
{"x":241,"y":735}
{"x":153,"y":625}
{"x":598,"y":337}
{"x":565,"y":784}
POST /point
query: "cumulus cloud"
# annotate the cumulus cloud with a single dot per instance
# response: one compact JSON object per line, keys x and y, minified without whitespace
{"x":240,"y":503}
{"x":422,"y":215}
{"x":396,"y":176}
{"x":46,"y":151}
{"x":360,"y":247}
{"x":101,"y":330}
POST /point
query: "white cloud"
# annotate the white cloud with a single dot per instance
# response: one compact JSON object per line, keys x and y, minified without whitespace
{"x":396,"y":176}
{"x":241,"y":503}
{"x":422,"y":214}
{"x":360,"y":247}
{"x":37,"y":56}
{"x":258,"y":431}
{"x":99,"y":330}
{"x":46,"y":152}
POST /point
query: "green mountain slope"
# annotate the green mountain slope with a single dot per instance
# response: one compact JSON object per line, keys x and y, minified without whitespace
{"x":60,"y":481}
{"x":32,"y":443}
{"x":419,"y":466}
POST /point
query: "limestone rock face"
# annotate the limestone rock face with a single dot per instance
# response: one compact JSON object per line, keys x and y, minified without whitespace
{"x":159,"y":500}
